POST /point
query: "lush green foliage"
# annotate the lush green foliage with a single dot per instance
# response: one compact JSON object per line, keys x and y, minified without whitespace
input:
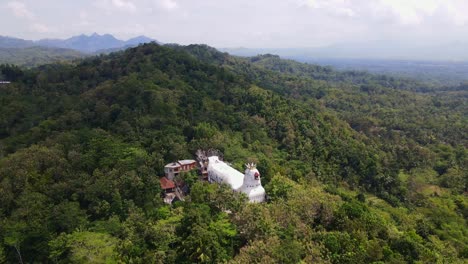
{"x":358,"y":169}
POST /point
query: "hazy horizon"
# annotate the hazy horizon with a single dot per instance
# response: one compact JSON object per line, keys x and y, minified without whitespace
{"x":250,"y":24}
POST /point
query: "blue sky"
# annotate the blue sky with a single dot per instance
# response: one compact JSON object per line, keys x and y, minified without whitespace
{"x":246,"y":23}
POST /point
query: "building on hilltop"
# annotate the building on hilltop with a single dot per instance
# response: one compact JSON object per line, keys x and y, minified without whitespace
{"x":252,"y":186}
{"x":172,"y":170}
{"x":220,"y":172}
{"x":167,"y":185}
{"x":248,"y":183}
{"x":213,"y":169}
{"x":169,"y":189}
{"x":173,"y":187}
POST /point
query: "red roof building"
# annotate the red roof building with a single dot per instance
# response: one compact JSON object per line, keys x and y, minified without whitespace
{"x":167,"y":185}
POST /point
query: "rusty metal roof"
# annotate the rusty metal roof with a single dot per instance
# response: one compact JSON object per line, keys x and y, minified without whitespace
{"x":166,"y":183}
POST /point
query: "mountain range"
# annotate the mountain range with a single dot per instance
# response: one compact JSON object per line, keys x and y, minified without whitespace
{"x":82,"y":43}
{"x":441,"y":63}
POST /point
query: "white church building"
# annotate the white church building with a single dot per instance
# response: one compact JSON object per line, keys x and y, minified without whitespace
{"x":248,"y":183}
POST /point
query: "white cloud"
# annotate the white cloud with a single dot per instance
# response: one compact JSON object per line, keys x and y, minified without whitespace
{"x":411,"y":12}
{"x":41,"y":28}
{"x":343,"y":8}
{"x":121,"y":5}
{"x":416,"y":12}
{"x":84,"y":20}
{"x":167,"y":4}
{"x":456,"y":13}
{"x":128,"y":29}
{"x":83,"y":15}
{"x":403,"y":12}
{"x":124,"y":5}
{"x":20,"y":10}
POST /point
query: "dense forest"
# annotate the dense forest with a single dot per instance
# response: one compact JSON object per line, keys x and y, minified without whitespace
{"x":36,"y":56}
{"x":358,"y":168}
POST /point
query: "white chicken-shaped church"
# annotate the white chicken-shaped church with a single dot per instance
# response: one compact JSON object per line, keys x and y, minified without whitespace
{"x":248,"y":183}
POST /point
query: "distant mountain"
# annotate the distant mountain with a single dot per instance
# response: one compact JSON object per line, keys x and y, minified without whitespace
{"x":138,"y":40}
{"x":82,"y":43}
{"x":93,"y":43}
{"x":9,"y":42}
{"x":35,"y":56}
{"x":367,"y":50}
{"x":110,"y":50}
{"x":133,"y":42}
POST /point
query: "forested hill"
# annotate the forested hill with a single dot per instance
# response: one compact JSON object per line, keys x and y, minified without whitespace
{"x":36,"y":56}
{"x":368,"y":102}
{"x":356,"y":170}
